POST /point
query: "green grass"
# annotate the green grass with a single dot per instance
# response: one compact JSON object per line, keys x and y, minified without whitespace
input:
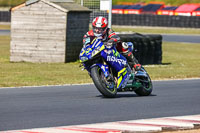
{"x":4,"y":26}
{"x":180,"y":60}
{"x":10,"y":3}
{"x":28,"y":74}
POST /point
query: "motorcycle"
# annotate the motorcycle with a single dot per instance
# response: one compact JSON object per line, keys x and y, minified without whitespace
{"x":111,"y":72}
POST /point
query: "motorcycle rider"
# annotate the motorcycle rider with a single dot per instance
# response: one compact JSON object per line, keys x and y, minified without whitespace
{"x":100,"y":29}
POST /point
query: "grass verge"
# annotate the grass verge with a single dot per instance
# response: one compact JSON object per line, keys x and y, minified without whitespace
{"x":180,"y":60}
{"x":4,"y":26}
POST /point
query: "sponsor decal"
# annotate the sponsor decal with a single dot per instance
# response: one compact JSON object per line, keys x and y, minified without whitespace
{"x":115,"y":59}
{"x":116,"y":53}
{"x":88,"y":50}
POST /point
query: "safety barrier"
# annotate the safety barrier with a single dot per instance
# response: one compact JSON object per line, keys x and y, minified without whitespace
{"x":156,"y":20}
{"x":148,"y":47}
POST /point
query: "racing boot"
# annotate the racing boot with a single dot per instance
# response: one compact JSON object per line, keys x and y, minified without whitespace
{"x":132,"y":61}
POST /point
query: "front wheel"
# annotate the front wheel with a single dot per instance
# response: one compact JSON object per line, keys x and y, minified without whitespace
{"x":106,"y":87}
{"x":146,"y":82}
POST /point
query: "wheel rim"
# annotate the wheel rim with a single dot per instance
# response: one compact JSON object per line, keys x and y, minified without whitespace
{"x":108,"y":85}
{"x":148,"y":84}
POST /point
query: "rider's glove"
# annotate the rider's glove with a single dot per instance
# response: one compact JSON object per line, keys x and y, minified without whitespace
{"x":137,"y":67}
{"x":86,"y":45}
{"x":99,"y":37}
{"x":111,"y":41}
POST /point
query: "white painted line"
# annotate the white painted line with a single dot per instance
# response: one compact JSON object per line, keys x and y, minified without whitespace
{"x":32,"y":87}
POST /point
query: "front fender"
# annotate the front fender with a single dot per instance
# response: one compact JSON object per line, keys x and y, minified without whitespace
{"x":103,"y":67}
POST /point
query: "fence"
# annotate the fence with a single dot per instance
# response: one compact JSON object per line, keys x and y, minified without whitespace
{"x":142,"y":19}
{"x":93,"y":5}
{"x":130,"y":19}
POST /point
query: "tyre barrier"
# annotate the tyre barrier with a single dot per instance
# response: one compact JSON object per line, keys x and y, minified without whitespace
{"x":148,"y":48}
{"x":5,"y":16}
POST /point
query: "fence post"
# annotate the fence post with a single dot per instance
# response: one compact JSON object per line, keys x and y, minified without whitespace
{"x":110,"y":14}
{"x":81,"y":2}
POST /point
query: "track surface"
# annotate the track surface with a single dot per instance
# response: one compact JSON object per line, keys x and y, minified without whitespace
{"x":4,"y":32}
{"x":182,"y":38}
{"x":34,"y":107}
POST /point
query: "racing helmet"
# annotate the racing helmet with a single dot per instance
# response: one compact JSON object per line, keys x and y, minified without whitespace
{"x":99,"y":26}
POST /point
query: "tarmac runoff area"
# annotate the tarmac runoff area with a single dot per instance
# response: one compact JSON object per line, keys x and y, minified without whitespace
{"x":178,"y":124}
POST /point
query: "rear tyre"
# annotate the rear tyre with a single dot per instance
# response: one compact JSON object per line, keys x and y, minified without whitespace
{"x":147,"y":85}
{"x":106,"y":88}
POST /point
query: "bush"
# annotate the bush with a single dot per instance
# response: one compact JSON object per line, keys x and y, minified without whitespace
{"x":10,"y":3}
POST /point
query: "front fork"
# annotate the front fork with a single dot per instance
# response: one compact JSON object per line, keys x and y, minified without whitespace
{"x":104,"y":67}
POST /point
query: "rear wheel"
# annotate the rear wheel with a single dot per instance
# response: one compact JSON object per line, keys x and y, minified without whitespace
{"x":106,"y":87}
{"x":147,"y":85}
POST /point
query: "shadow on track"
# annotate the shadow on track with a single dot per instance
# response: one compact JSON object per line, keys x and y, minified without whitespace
{"x":126,"y":96}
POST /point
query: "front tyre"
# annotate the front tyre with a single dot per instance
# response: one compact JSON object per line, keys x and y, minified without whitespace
{"x":106,"y":88}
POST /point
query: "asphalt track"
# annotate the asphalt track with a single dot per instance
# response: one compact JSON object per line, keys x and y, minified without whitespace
{"x":166,"y":37}
{"x":35,"y":107}
{"x":181,"y":38}
{"x":4,"y":32}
